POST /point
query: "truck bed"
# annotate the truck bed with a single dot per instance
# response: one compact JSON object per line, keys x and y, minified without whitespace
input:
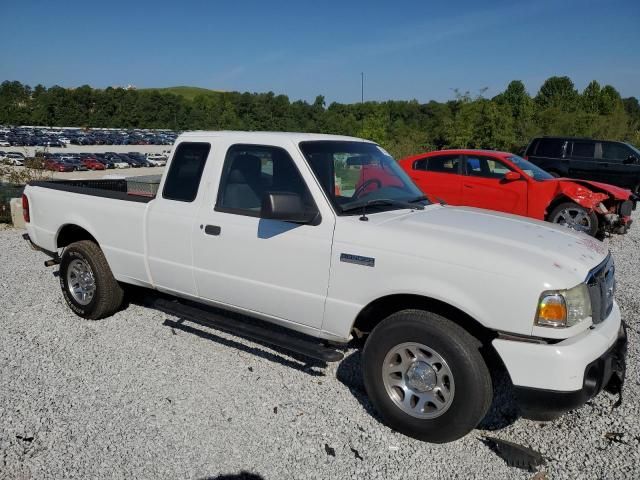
{"x":109,"y":188}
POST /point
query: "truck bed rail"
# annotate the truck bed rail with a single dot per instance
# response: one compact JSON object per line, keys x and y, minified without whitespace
{"x":108,"y":188}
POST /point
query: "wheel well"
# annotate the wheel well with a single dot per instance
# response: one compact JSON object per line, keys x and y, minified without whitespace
{"x":72,"y":233}
{"x":381,"y":308}
{"x":555,"y":202}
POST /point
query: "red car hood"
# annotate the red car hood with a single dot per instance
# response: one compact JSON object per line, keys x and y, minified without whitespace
{"x":616,"y":192}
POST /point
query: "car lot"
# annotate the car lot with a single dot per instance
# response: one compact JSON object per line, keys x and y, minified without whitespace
{"x":141,"y":395}
{"x":41,"y":136}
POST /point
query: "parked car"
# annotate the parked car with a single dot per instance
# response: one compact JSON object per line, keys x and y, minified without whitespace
{"x":4,"y":142}
{"x":616,"y":163}
{"x":118,"y":163}
{"x":92,"y":163}
{"x":13,"y":158}
{"x":57,"y":166}
{"x":74,"y":162}
{"x":142,"y":159}
{"x":133,"y":162}
{"x":255,"y":222}
{"x":156,"y":163}
{"x":508,"y":183}
{"x":156,"y":159}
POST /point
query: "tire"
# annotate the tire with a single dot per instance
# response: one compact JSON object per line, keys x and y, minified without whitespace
{"x":460,"y":376}
{"x":566,"y":214}
{"x":88,"y":286}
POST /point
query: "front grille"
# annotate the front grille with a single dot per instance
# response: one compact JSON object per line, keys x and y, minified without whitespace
{"x":602,"y":287}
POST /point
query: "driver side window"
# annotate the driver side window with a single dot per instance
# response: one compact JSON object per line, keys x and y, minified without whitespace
{"x":252,"y":171}
{"x":485,"y":167}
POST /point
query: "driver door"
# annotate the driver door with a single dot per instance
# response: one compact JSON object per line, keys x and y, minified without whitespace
{"x":483,"y":186}
{"x":271,"y":267}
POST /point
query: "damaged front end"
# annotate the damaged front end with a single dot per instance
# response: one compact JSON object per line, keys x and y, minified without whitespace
{"x":617,"y":217}
{"x":613,"y":205}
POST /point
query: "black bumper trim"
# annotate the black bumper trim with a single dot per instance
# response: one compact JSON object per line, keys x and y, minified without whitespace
{"x":605,"y":373}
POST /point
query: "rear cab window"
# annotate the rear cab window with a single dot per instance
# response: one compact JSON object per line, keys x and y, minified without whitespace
{"x":185,"y":172}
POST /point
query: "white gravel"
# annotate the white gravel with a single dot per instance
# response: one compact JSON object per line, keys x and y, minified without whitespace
{"x":129,"y":397}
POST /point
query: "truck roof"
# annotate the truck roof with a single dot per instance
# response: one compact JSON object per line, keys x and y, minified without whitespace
{"x":294,"y":136}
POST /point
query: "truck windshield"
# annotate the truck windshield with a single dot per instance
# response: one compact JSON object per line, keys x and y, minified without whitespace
{"x":530,"y":169}
{"x":360,"y":174}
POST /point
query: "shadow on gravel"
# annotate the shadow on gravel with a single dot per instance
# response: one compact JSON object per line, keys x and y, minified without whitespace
{"x":349,"y":373}
{"x":236,"y":476}
{"x":502,"y":413}
{"x":503,"y":410}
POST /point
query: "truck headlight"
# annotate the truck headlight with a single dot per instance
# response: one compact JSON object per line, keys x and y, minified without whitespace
{"x":563,"y":308}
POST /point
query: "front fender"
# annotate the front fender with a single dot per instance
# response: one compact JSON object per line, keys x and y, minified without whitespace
{"x":581,"y":195}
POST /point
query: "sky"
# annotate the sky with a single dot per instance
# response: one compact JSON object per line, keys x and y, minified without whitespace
{"x":406,"y":49}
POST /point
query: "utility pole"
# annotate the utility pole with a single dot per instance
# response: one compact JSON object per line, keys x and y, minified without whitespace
{"x":362,"y":97}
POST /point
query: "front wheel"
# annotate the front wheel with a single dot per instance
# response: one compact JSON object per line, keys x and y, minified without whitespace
{"x":575,"y":217}
{"x":88,"y":286}
{"x":426,"y":377}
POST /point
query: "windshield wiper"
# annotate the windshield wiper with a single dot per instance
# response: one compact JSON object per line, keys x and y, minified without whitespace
{"x":419,"y":199}
{"x":381,"y":201}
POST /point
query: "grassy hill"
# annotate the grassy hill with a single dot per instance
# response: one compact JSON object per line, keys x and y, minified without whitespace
{"x":187,"y":92}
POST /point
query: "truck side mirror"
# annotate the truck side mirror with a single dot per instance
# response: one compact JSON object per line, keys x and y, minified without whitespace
{"x":630,"y":159}
{"x":511,"y":176}
{"x":287,"y":207}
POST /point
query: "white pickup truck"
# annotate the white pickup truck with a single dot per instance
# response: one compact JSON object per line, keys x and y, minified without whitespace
{"x":326,"y":236}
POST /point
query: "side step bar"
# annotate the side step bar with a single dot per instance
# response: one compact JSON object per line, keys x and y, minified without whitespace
{"x":308,"y":348}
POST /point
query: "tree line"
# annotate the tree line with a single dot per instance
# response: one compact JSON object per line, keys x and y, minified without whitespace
{"x":506,"y":122}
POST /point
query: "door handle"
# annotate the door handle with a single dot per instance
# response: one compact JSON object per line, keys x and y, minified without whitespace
{"x":468,"y":186}
{"x":212,"y":230}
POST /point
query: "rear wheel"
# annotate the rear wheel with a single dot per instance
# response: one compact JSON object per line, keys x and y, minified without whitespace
{"x":574,"y":216}
{"x":88,"y":286}
{"x":425,"y":376}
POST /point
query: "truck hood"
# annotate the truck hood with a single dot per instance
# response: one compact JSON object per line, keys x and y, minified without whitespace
{"x":492,"y":241}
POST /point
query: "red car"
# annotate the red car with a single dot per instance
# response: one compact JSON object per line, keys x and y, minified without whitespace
{"x":508,"y":183}
{"x":54,"y":165}
{"x":92,"y":163}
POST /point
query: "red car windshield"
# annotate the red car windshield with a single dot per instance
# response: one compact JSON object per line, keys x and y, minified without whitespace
{"x":530,"y":169}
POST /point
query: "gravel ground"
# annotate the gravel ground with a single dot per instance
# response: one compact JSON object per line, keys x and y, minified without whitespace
{"x":134,"y":397}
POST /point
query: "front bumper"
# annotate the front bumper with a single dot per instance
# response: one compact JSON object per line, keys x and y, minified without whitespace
{"x":606,"y":372}
{"x":552,"y":378}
